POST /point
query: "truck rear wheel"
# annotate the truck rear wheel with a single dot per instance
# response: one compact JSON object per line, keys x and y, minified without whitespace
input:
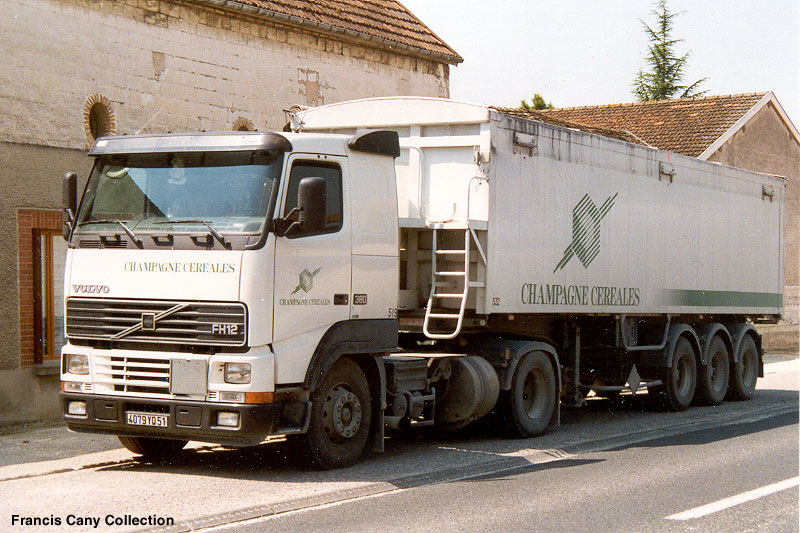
{"x":152,"y":447}
{"x":744,"y":373}
{"x":528,"y":407}
{"x":679,"y":381}
{"x":712,"y":378}
{"x":341,"y":412}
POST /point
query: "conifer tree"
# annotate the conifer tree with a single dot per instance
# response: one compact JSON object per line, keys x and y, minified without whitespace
{"x":537,"y":102}
{"x":664,"y":80}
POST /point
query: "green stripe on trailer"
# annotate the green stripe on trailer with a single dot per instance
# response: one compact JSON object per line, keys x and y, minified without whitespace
{"x":722,"y":298}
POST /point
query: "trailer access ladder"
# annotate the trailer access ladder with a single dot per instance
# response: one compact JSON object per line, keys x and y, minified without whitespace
{"x":443,"y":278}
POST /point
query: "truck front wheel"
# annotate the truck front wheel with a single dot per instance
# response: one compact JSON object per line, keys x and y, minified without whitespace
{"x":151,"y":447}
{"x":528,"y":407}
{"x":341,"y":412}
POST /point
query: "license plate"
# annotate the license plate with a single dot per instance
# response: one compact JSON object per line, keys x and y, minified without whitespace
{"x":147,"y":419}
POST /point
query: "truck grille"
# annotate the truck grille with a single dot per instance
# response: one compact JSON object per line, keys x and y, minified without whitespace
{"x":132,"y":374}
{"x":161,"y":321}
{"x":142,"y":407}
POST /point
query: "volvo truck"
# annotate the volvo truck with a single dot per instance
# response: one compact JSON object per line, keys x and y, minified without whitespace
{"x":405,"y":262}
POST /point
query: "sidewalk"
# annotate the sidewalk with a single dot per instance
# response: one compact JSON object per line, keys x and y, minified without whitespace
{"x":49,"y":441}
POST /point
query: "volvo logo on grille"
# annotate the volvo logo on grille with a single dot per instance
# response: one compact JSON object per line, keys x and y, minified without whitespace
{"x":148,"y":321}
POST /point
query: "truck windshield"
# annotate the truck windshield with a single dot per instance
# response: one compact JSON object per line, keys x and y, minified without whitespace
{"x":229,"y":190}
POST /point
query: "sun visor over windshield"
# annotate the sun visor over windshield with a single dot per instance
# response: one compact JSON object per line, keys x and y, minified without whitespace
{"x":191,"y":142}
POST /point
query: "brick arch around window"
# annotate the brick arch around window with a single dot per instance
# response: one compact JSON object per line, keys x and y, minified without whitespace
{"x":98,"y":118}
{"x":243,"y":124}
{"x":31,"y":223}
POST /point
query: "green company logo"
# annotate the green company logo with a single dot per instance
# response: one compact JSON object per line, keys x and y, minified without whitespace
{"x":306,"y":280}
{"x":586,"y":219}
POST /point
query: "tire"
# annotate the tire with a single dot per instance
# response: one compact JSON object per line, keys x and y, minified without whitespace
{"x":713,"y":377}
{"x":679,"y":381}
{"x":744,"y":372}
{"x":527,"y":409}
{"x":341,"y":412}
{"x":152,"y":447}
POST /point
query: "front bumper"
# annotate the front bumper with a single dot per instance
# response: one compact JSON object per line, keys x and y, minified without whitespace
{"x":186,"y":420}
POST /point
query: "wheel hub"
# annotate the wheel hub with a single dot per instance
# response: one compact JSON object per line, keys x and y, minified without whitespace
{"x":342,"y":414}
{"x":533,"y":395}
{"x":682,"y":382}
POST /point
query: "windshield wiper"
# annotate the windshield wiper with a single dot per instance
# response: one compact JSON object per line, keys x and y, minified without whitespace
{"x":128,"y":231}
{"x":217,"y":235}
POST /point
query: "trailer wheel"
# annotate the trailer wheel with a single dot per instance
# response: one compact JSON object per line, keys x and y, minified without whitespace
{"x":341,"y":411}
{"x":152,"y":447}
{"x":528,"y":407}
{"x":712,"y":378}
{"x":680,"y":380}
{"x":744,"y":373}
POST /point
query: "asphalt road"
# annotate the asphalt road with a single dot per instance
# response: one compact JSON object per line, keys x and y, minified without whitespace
{"x":608,"y":467}
{"x":629,"y":488}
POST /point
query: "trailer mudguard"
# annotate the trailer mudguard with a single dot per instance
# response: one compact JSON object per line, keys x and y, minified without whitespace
{"x":663,"y":358}
{"x":706,"y":333}
{"x":738,"y":332}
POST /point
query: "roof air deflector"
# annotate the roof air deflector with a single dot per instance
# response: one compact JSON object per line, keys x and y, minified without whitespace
{"x":381,"y":142}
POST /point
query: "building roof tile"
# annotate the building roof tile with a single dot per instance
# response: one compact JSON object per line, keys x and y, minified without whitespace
{"x":686,"y":126}
{"x":557,"y":121}
{"x":384,"y":21}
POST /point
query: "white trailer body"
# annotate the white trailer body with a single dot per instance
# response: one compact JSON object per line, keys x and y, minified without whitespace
{"x":576,"y":222}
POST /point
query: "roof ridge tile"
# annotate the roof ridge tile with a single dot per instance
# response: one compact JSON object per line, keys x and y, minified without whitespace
{"x":659,"y":102}
{"x":385,"y":21}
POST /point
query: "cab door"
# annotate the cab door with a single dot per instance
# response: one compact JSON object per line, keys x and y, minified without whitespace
{"x":312,"y":271}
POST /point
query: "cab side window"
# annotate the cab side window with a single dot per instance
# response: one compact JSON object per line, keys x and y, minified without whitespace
{"x":332,"y":175}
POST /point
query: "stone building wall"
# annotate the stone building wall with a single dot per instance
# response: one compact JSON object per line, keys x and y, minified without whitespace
{"x":31,"y":179}
{"x":171,"y":65}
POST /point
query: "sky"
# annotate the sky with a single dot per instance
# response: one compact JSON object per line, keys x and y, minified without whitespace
{"x":587,"y":52}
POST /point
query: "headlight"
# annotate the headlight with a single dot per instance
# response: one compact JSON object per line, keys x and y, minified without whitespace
{"x":78,"y":364}
{"x":225,"y":418}
{"x":237,"y":372}
{"x":76,"y":408}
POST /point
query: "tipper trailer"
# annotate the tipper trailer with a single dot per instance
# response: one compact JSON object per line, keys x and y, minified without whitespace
{"x":401,"y":262}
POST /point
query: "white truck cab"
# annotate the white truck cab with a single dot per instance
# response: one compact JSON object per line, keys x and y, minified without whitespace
{"x":204,"y":270}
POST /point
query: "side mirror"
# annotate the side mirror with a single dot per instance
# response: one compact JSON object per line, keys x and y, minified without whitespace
{"x":312,"y":201}
{"x":69,"y":200}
